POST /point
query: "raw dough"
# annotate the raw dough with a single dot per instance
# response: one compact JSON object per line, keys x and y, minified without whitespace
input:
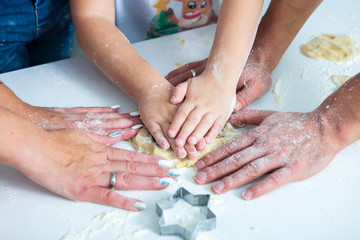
{"x":144,"y":143}
{"x":339,"y":80}
{"x":331,"y":47}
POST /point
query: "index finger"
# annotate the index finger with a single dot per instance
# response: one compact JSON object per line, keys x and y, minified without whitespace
{"x":117,"y":154}
{"x":226,"y":151}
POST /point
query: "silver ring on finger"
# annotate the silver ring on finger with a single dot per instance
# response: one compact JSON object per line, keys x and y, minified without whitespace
{"x":193,"y":72}
{"x":113,"y":180}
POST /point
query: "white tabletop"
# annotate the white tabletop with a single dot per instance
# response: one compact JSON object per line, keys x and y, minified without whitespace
{"x":325,"y":206}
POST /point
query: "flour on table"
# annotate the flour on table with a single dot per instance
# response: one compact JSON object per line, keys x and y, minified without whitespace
{"x":144,"y":143}
{"x":331,"y":47}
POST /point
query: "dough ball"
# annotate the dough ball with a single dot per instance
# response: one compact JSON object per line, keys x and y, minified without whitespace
{"x":144,"y":143}
{"x":331,"y":47}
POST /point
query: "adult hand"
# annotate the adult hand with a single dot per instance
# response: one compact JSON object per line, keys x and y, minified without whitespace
{"x":70,"y":164}
{"x":288,"y":146}
{"x":102,"y":124}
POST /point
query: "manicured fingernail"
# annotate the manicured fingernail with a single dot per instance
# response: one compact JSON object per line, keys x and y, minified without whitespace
{"x":180,"y":142}
{"x":134,"y":113}
{"x":192,"y":140}
{"x":172,"y":133}
{"x":140,"y":205}
{"x":218,"y":187}
{"x":166,"y":181}
{"x":247,"y":194}
{"x":115,"y":106}
{"x":164,"y":163}
{"x":137,"y":126}
{"x":182,"y":153}
{"x":200,"y":165}
{"x":200,"y":177}
{"x":174,"y":172}
{"x":115,"y":134}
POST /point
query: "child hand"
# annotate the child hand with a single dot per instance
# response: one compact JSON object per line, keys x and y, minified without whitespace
{"x":157,"y":113}
{"x":207,"y":107}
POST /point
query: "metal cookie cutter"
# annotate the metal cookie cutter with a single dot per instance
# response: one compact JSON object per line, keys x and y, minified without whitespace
{"x":190,"y":231}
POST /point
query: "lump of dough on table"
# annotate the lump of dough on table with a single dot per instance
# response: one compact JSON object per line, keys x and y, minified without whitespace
{"x":339,"y":80}
{"x":331,"y":47}
{"x":144,"y":143}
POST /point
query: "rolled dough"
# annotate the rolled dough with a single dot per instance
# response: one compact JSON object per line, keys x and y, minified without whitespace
{"x":144,"y":143}
{"x":331,"y":47}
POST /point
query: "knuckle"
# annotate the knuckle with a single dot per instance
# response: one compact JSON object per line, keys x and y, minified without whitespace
{"x":228,"y":182}
{"x":107,"y":196}
{"x":275,"y":178}
{"x":252,"y":169}
{"x":133,"y":167}
{"x":125,"y":179}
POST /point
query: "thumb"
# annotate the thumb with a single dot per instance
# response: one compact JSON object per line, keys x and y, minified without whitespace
{"x":179,"y":93}
{"x":252,"y":117}
{"x":251,"y":90}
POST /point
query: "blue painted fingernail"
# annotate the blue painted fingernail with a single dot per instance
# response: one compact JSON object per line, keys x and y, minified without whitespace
{"x":140,"y":205}
{"x":247,"y":194}
{"x":166,"y":181}
{"x":164,"y":163}
{"x":134,"y":113}
{"x":174,"y":172}
{"x":200,"y":177}
{"x":115,"y":106}
{"x":137,"y":126}
{"x":218,"y":187}
{"x":115,"y":134}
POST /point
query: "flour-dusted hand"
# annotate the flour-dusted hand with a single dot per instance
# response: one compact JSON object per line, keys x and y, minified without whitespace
{"x":183,"y":73}
{"x":204,"y":112}
{"x":71,"y":164}
{"x":157,"y":113}
{"x":285,"y":147}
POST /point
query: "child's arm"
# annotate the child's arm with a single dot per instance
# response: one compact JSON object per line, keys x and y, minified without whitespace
{"x":210,"y":96}
{"x":108,"y":48}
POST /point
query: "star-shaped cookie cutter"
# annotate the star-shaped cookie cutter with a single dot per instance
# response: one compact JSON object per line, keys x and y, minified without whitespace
{"x":190,"y":233}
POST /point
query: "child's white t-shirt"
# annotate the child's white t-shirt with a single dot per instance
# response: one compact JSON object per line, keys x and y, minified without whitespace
{"x":144,"y":19}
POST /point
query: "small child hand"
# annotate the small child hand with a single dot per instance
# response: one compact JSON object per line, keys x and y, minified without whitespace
{"x":207,"y":107}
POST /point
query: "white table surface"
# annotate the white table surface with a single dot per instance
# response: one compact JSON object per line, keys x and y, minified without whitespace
{"x":325,"y":206}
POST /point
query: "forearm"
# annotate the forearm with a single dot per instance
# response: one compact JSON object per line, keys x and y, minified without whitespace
{"x":339,"y":114}
{"x":234,"y":37}
{"x":108,"y":48}
{"x":19,"y":140}
{"x":279,"y":26}
{"x":9,"y":100}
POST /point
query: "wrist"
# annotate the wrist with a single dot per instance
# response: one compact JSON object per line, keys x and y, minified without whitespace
{"x":339,"y":129}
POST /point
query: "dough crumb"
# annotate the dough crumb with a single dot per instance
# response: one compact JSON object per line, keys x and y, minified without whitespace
{"x":178,"y":64}
{"x":339,"y":80}
{"x":182,"y":42}
{"x":331,"y":47}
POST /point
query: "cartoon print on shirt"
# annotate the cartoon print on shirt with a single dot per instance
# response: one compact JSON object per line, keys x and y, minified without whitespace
{"x":195,"y":13}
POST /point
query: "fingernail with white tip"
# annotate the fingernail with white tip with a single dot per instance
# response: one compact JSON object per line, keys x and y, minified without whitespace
{"x":115,"y":134}
{"x":164,"y":163}
{"x":134,"y":113}
{"x":137,"y":126}
{"x":140,"y":205}
{"x":115,"y":106}
{"x":174,"y":172}
{"x":166,"y":181}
